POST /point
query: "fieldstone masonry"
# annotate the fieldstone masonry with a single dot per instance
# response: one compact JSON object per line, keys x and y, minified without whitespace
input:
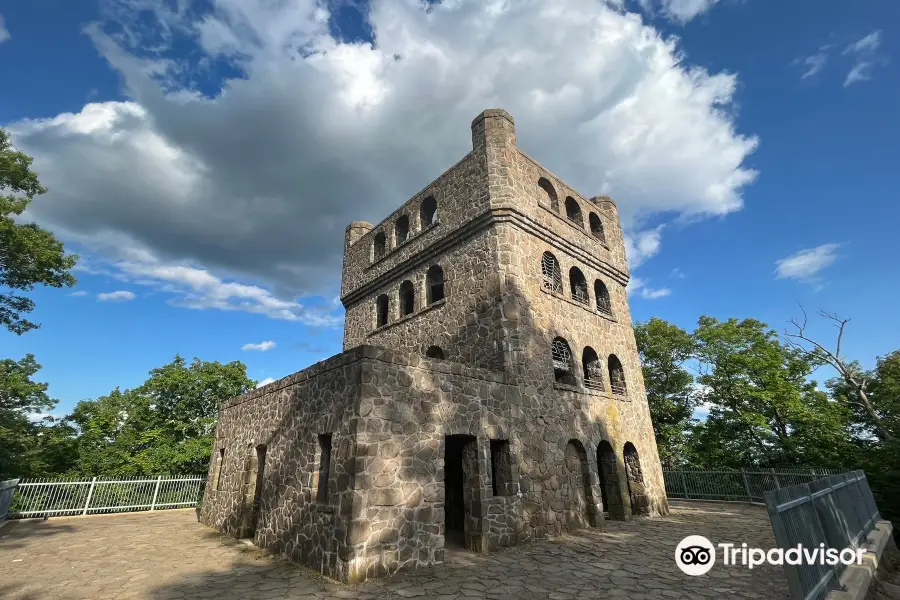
{"x":376,"y":459}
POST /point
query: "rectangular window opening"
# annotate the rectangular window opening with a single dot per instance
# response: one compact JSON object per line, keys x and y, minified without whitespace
{"x":217,"y":476}
{"x":501,"y":468}
{"x":324,"y":467}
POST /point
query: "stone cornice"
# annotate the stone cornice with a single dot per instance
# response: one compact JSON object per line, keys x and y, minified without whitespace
{"x":474,"y":226}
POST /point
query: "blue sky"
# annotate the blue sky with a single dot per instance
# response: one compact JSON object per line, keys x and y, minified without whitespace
{"x":204,"y":158}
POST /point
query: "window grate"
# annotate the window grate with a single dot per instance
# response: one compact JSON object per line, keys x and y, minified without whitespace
{"x":580,"y":294}
{"x":562,"y":356}
{"x":551,"y":273}
{"x":617,"y":384}
{"x":604,"y":305}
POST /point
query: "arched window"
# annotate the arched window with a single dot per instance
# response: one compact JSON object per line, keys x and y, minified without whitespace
{"x":573,"y":211}
{"x":551,"y":273}
{"x":378,"y":246}
{"x":597,"y":227}
{"x":401,"y":230}
{"x":434,"y":352}
{"x":428,"y":212}
{"x":593,"y":373}
{"x":548,"y":188}
{"x":434,"y":283}
{"x":579,"y":286}
{"x":407,"y":298}
{"x":562,"y":361}
{"x":382,"y":305}
{"x":604,"y":305}
{"x":616,"y":376}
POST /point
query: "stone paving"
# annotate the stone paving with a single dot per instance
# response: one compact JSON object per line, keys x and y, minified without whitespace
{"x":168,"y":555}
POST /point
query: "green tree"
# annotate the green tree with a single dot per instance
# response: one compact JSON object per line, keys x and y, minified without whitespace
{"x":881,"y":458}
{"x":27,"y":448}
{"x":664,"y":348}
{"x":165,"y":426}
{"x":29,"y":255}
{"x":764,"y":409}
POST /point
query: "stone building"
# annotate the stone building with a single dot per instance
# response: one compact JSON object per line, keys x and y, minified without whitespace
{"x":489,"y":392}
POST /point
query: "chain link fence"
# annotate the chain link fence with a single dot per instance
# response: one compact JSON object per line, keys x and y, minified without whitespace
{"x":742,"y":485}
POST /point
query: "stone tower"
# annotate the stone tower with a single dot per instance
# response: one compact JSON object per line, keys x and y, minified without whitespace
{"x":489,"y":392}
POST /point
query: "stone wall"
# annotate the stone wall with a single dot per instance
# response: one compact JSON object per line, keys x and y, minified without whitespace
{"x":286,"y":417}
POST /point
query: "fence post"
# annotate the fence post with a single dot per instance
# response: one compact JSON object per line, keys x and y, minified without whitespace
{"x":746,"y":485}
{"x":684,"y":484}
{"x":87,"y":503}
{"x":155,"y":493}
{"x":775,"y":477}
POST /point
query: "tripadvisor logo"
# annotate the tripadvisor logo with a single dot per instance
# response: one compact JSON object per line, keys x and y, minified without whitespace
{"x":696,"y":555}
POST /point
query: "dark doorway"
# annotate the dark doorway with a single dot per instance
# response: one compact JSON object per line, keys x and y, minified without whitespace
{"x":607,"y":469}
{"x":459,"y":452}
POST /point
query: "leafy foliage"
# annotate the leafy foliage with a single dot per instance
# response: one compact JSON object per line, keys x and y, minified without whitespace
{"x":29,"y":255}
{"x":765,"y":411}
{"x":664,"y":349}
{"x":163,"y":427}
{"x":28,"y":447}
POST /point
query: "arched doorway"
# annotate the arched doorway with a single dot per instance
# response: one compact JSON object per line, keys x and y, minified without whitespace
{"x":637,"y":492}
{"x":608,"y":470}
{"x":578,"y":512}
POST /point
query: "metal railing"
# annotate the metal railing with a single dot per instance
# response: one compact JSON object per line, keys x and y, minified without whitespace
{"x":743,"y":485}
{"x":7,"y":489}
{"x":60,"y":497}
{"x":838,"y":512}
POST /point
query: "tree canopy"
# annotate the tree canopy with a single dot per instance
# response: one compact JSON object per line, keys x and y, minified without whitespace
{"x":29,"y":255}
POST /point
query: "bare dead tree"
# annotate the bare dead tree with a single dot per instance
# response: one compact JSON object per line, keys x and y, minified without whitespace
{"x":857,"y":383}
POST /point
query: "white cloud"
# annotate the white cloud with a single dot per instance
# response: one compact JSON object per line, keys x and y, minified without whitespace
{"x":638,"y":286}
{"x":864,"y":50}
{"x":677,"y":273}
{"x":813,"y":64}
{"x":197,"y":288}
{"x":257,"y":182}
{"x":806,"y":265}
{"x":261,"y":347}
{"x":641,"y":245}
{"x":265,"y":382}
{"x":40,"y":416}
{"x":119,"y":296}
{"x":869,"y":43}
{"x":4,"y":32}
{"x":680,"y":11}
{"x":79,"y":293}
{"x":861,"y":71}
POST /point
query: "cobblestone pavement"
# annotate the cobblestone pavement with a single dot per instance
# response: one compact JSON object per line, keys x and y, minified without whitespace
{"x":168,"y":555}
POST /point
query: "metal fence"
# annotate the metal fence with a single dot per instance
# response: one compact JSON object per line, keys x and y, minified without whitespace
{"x":743,"y":485}
{"x":7,"y":489}
{"x":838,"y":511}
{"x":59,"y":497}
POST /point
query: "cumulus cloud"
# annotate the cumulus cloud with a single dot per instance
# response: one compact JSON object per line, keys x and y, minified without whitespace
{"x":638,"y":286}
{"x":194,"y":187}
{"x":864,"y":52}
{"x":260,"y":347}
{"x":806,"y":265}
{"x":265,"y":382}
{"x":680,"y":11}
{"x":77,"y":293}
{"x":119,"y":296}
